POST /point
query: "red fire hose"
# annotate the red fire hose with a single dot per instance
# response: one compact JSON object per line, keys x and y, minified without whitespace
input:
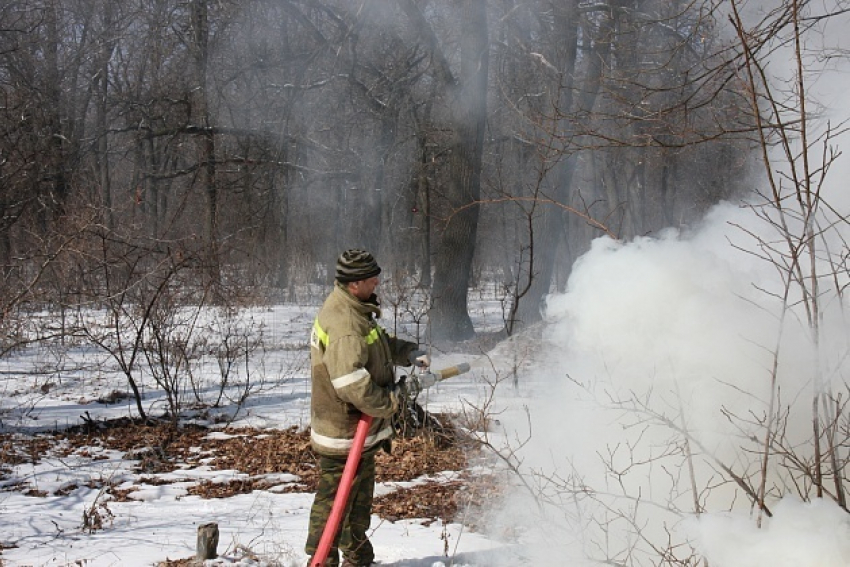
{"x":341,"y":498}
{"x":347,"y":480}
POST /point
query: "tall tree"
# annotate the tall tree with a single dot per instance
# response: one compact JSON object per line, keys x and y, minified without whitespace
{"x":549,"y":227}
{"x":107,"y":43}
{"x":449,"y":315}
{"x":200,"y":48}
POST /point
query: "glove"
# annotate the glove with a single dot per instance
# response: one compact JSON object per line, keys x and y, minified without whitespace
{"x":401,"y":387}
{"x":419,"y":359}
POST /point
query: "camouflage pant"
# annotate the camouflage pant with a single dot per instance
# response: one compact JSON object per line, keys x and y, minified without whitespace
{"x":351,"y":537}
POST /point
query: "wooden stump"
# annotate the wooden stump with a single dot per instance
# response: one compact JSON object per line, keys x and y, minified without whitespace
{"x":207,"y":541}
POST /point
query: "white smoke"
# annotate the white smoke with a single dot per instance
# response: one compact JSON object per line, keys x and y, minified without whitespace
{"x":813,"y":533}
{"x":653,"y":338}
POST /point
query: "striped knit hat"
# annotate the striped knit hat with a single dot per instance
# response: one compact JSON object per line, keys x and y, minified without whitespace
{"x":355,"y":265}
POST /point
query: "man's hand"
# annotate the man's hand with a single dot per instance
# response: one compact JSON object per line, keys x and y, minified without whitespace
{"x":401,"y":388}
{"x":419,"y":359}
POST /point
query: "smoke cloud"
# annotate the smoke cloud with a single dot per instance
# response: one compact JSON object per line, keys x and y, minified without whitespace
{"x":656,"y":385}
{"x":816,"y":533}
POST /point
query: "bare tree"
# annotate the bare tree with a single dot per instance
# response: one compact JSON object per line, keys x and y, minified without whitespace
{"x":798,"y":152}
{"x":631,"y":92}
{"x":468,"y":94}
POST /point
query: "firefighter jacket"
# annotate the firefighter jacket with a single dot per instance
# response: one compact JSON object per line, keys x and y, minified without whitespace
{"x":352,"y":365}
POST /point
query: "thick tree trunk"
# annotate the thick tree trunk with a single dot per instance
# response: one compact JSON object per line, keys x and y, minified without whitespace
{"x":453,"y":267}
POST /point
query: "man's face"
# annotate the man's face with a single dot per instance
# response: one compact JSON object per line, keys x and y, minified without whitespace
{"x":363,"y":289}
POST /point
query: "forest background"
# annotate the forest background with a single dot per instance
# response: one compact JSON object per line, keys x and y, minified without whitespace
{"x":238,"y":147}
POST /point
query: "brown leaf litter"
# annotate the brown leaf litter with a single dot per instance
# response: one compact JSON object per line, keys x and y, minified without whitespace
{"x":259,"y":457}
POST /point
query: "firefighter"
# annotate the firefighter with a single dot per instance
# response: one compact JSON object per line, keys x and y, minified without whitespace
{"x":352,"y":367}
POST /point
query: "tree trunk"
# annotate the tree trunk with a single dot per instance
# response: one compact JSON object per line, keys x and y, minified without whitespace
{"x":200,"y":31}
{"x":423,"y":192}
{"x":58,"y":188}
{"x":550,"y":224}
{"x":453,"y":267}
{"x":553,"y":223}
{"x":108,"y":45}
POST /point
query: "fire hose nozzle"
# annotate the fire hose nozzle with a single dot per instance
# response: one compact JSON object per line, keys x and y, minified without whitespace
{"x":452,"y":371}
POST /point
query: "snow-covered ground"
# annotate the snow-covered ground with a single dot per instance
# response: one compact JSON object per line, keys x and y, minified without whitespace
{"x":42,"y":505}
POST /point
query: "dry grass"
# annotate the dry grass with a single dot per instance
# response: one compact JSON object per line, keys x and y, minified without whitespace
{"x":160,"y":448}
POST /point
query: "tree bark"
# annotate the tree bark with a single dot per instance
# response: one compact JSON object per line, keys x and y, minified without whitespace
{"x":449,"y":316}
{"x":550,"y":225}
{"x":107,"y":47}
{"x":200,"y":37}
